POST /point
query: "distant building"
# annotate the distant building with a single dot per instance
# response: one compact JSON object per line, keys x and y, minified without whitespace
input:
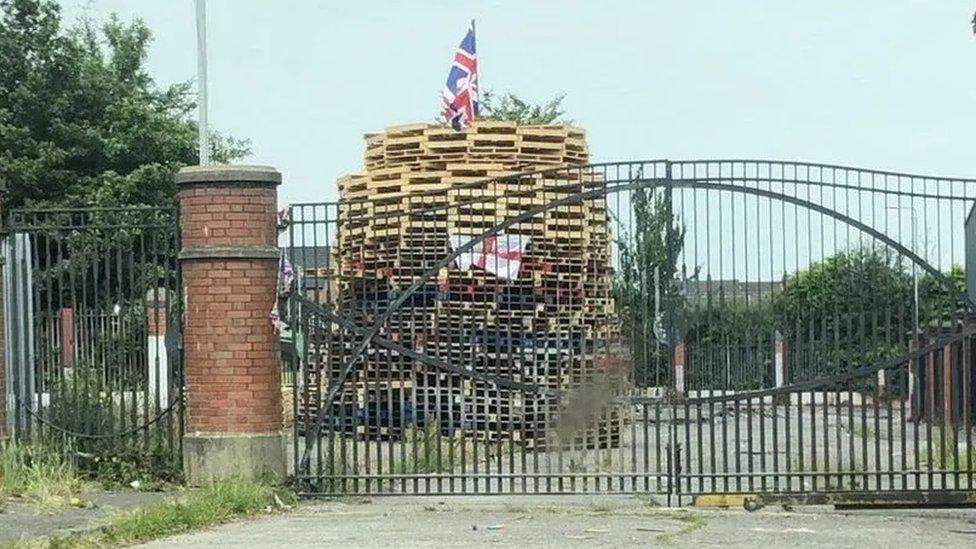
{"x":312,"y":265}
{"x":730,"y":289}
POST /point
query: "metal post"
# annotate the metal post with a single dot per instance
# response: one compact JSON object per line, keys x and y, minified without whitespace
{"x":203,"y":126}
{"x":916,"y":335}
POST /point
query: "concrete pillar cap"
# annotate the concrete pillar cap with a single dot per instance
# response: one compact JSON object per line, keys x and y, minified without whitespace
{"x":228,"y":173}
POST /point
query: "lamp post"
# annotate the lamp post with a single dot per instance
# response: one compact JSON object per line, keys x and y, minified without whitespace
{"x":202,"y":125}
{"x":916,"y":336}
{"x":914,"y":265}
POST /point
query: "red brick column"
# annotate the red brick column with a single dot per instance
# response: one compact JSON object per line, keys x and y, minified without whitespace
{"x":231,"y":353}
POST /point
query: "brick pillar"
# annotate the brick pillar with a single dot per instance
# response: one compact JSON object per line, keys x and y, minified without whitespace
{"x":231,"y":354}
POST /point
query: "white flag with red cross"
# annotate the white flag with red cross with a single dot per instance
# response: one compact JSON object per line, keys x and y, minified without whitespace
{"x":500,"y":254}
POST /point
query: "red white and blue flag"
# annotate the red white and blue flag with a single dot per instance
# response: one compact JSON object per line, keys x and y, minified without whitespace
{"x":461,"y":91}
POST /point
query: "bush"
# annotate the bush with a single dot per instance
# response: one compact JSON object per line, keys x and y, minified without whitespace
{"x":81,"y":402}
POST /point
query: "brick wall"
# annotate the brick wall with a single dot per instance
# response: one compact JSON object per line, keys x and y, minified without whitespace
{"x":229,"y":277}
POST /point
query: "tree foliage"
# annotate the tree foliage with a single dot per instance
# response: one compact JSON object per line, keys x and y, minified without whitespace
{"x":851,"y":309}
{"x":512,"y":108}
{"x":81,"y":120}
{"x":647,"y":273}
{"x":820,"y":300}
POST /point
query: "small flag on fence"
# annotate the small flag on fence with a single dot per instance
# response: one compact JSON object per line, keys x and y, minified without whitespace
{"x":275,"y":317}
{"x":500,"y":255}
{"x":286,"y":277}
{"x":460,"y":94}
{"x":286,"y":274}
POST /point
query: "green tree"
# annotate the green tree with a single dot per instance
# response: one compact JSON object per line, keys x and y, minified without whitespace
{"x":730,"y":340}
{"x":856,"y":308}
{"x":512,"y":108}
{"x":938,"y":301}
{"x":648,"y":274}
{"x":81,"y":120}
{"x":829,"y":297}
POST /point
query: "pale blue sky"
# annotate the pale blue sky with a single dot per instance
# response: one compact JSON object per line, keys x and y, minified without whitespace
{"x":878,"y":84}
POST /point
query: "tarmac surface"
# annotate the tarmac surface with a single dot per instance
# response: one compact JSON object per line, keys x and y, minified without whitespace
{"x":20,"y":519}
{"x":579,"y":521}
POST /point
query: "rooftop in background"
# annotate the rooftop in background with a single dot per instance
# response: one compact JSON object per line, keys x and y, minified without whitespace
{"x":311,"y":265}
{"x":303,"y":258}
{"x":730,"y":289}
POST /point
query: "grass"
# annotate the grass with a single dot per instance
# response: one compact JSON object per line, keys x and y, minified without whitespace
{"x":215,"y":504}
{"x":422,"y":447}
{"x":426,"y":443}
{"x":39,"y":475}
{"x":690,"y":522}
{"x":947,"y":459}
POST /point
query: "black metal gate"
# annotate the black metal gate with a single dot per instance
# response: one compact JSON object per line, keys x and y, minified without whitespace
{"x":93,"y":310}
{"x":679,"y":328}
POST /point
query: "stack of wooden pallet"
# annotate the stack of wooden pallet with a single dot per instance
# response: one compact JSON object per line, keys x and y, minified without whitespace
{"x":423,"y":187}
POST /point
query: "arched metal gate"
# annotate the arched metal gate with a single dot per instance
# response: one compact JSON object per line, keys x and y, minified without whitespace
{"x":678,"y":328}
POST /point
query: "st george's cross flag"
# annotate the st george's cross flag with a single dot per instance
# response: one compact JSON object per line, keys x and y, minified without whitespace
{"x":500,"y":255}
{"x":460,"y":95}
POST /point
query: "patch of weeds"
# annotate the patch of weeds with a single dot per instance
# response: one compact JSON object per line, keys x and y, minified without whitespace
{"x":82,"y":402}
{"x":602,"y":508}
{"x":647,"y":500}
{"x":336,"y":464}
{"x":575,"y":466}
{"x":215,"y":504}
{"x":690,"y":522}
{"x":428,"y":452}
{"x":39,"y":475}
{"x":949,"y":458}
{"x":211,"y":505}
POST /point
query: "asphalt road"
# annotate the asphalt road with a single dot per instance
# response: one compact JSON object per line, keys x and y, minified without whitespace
{"x":578,"y":521}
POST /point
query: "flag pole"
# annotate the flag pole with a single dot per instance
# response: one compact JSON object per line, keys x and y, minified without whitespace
{"x":474,"y":36}
{"x":202,"y":125}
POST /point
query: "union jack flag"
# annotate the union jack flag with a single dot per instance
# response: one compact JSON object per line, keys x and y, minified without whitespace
{"x":460,"y":94}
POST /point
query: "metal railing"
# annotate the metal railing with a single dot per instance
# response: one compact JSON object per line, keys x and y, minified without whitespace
{"x":92,"y":319}
{"x":664,"y":315}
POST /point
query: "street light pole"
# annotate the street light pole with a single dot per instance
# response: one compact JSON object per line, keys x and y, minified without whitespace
{"x":916,"y":336}
{"x":914,"y":264}
{"x":202,"y":126}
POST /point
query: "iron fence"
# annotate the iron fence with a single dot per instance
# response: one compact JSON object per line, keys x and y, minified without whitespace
{"x":661,"y":326}
{"x":92,"y":320}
